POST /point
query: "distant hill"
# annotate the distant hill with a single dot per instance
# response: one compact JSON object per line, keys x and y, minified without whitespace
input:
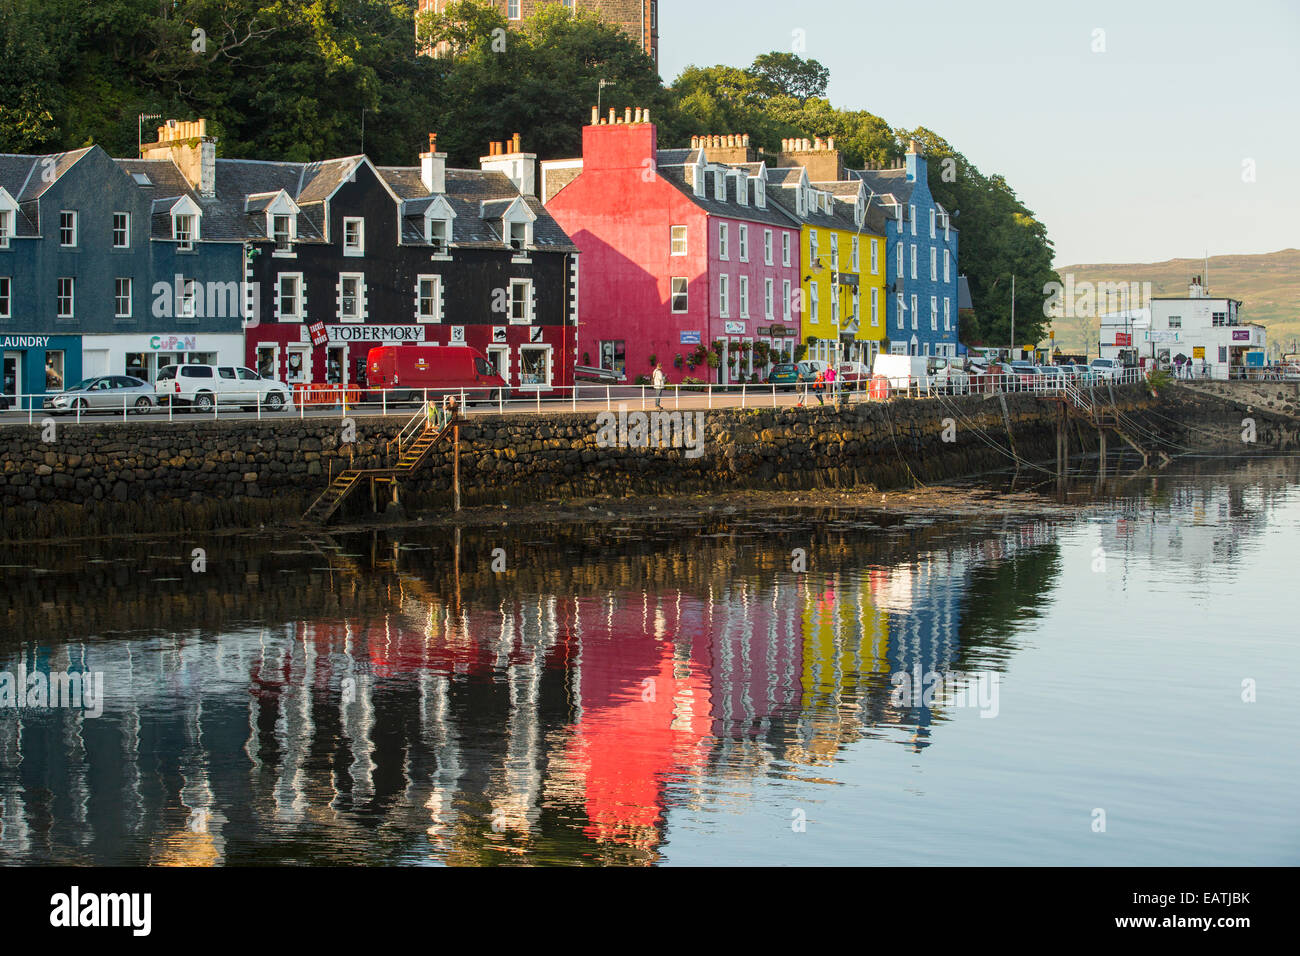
{"x":1268,"y":285}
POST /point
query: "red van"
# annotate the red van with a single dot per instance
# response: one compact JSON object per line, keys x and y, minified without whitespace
{"x":407,"y":371}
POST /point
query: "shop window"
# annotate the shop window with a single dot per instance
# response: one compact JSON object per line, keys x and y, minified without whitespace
{"x":534,"y":366}
{"x":613,"y":355}
{"x":54,"y":371}
{"x":266,"y":361}
{"x":137,"y":365}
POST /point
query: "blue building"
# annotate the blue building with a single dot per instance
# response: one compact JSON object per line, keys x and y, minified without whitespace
{"x":921,"y":285}
{"x":106,"y":270}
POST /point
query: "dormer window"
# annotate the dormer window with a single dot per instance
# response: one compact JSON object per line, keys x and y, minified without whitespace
{"x":742,"y":189}
{"x":439,"y":234}
{"x":6,"y":227}
{"x":519,"y":235}
{"x":184,"y":231}
{"x":859,"y":212}
{"x":354,"y":236}
{"x":282,"y":232}
{"x":760,"y":193}
{"x":719,"y":186}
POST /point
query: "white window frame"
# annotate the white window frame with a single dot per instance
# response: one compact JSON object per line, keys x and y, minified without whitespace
{"x":900,"y":310}
{"x":947,"y":266}
{"x":71,"y":229}
{"x":899,"y":258}
{"x":915,"y":309}
{"x":814,"y":302}
{"x":291,"y":234}
{"x":513,"y":11}
{"x":299,"y":299}
{"x":125,"y":230}
{"x":744,"y":297}
{"x":812,"y":248}
{"x":434,"y":224}
{"x":914,"y":273}
{"x":188,"y":300}
{"x":785,"y":249}
{"x":875,"y":258}
{"x":677,"y":241}
{"x":7,"y":220}
{"x":787,"y":309}
{"x":947,"y":314}
{"x":117,"y":298}
{"x":911,"y":215}
{"x":769,"y":292}
{"x":855,"y":255}
{"x":934,"y":264}
{"x":742,"y":242}
{"x":71,"y":311}
{"x":686,"y":294}
{"x":875,"y":307}
{"x":724,"y":295}
{"x":525,"y":241}
{"x":360,"y":316}
{"x":358,"y":248}
{"x":934,"y":313}
{"x":835,"y":251}
{"x":724,"y":245}
{"x":185,"y":239}
{"x":420,"y":314}
{"x":767,"y":246}
{"x":932,"y":224}
{"x":527,"y":286}
{"x":6,"y":297}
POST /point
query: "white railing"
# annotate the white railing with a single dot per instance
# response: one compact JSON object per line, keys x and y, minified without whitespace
{"x":31,"y":409}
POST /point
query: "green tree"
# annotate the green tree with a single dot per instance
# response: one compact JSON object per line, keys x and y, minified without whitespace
{"x":786,"y":74}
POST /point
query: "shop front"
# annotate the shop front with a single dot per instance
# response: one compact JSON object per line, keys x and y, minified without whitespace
{"x":530,"y":358}
{"x":38,"y":365}
{"x":144,"y":354}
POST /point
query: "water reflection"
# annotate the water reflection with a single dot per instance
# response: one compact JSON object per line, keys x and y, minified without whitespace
{"x":390,"y":697}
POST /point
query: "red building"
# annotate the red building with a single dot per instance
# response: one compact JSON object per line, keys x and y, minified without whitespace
{"x":677,"y":251}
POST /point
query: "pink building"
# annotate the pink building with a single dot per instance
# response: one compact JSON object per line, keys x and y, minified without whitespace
{"x":680,"y":248}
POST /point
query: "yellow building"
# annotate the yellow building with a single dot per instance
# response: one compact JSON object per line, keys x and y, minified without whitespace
{"x":842,"y":255}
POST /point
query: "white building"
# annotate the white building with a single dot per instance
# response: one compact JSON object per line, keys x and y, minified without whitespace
{"x":1198,"y":327}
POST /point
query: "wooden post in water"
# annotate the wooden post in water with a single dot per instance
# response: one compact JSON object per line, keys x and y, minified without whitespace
{"x":455,"y":466}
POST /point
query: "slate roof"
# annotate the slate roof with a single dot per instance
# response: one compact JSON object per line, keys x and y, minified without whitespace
{"x":773,"y":215}
{"x":467,"y":190}
{"x":26,"y":178}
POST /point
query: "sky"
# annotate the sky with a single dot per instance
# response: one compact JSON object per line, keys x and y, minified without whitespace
{"x":1177,"y":136}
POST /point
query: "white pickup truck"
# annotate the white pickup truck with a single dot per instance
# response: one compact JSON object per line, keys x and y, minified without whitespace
{"x":203,"y":386}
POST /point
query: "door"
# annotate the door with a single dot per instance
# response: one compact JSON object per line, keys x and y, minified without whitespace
{"x":13,"y":363}
{"x":299,"y":370}
{"x":94,"y":362}
{"x":499,"y":356}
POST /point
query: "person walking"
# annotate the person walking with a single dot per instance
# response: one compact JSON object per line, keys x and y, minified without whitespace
{"x":830,"y":381}
{"x":819,"y":385}
{"x":657,"y":379}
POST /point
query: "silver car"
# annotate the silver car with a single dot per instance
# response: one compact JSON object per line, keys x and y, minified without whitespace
{"x":103,"y":393}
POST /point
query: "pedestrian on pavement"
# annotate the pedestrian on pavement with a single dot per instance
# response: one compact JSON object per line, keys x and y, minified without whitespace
{"x":658,"y":380}
{"x":802,"y":379}
{"x":830,"y":381}
{"x":819,"y":385}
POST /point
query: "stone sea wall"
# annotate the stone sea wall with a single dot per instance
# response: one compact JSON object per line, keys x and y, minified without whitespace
{"x":151,"y":476}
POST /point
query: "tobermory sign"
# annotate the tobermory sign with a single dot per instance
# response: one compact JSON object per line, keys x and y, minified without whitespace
{"x":373,"y":333}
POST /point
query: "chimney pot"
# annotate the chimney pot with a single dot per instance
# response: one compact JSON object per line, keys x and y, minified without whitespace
{"x":595,"y":117}
{"x":627,"y":114}
{"x":745,"y":139}
{"x":611,"y":116}
{"x":518,"y":143}
{"x":645,"y":116}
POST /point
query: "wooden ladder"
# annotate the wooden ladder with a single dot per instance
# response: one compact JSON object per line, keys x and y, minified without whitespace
{"x":411,"y":447}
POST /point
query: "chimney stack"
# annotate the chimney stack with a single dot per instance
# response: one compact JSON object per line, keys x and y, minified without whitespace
{"x":433,"y":167}
{"x":509,"y":158}
{"x":188,"y":145}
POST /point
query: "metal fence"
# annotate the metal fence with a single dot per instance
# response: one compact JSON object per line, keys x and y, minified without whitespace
{"x":349,"y":401}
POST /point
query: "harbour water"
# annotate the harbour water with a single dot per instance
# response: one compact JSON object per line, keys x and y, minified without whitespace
{"x":1112,"y":685}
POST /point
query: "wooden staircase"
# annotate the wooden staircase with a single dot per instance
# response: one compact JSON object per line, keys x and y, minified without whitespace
{"x":1102,"y":416}
{"x":411,"y":448}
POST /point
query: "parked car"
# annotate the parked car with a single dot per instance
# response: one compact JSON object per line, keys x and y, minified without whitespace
{"x":1106,"y":370}
{"x":852,"y":375}
{"x":948,"y":375}
{"x":1027,"y":378}
{"x":1051,"y":377}
{"x":809,"y":368}
{"x":1084,"y":376}
{"x":784,"y":374}
{"x":204,"y":386}
{"x":103,"y":393}
{"x":410,"y":372}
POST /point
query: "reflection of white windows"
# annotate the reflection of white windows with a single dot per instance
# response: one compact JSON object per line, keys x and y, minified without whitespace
{"x":931,"y":223}
{"x":744,"y":297}
{"x":899,"y":308}
{"x":899,"y":259}
{"x":122,"y":298}
{"x":934,"y":313}
{"x":288,"y":297}
{"x":723,"y":233}
{"x":354,"y":236}
{"x":947,"y":265}
{"x":680,"y":300}
{"x":913,"y":260}
{"x":352,"y":297}
{"x":121,"y":230}
{"x":744,"y":242}
{"x":67,"y":297}
{"x":677,"y":240}
{"x":934,"y":265}
{"x":911,"y":215}
{"x":914,"y":311}
{"x":428,"y":298}
{"x":724,"y":294}
{"x":769,"y":290}
{"x":67,"y":228}
{"x":6,"y":297}
{"x":947,"y":314}
{"x":521,"y":301}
